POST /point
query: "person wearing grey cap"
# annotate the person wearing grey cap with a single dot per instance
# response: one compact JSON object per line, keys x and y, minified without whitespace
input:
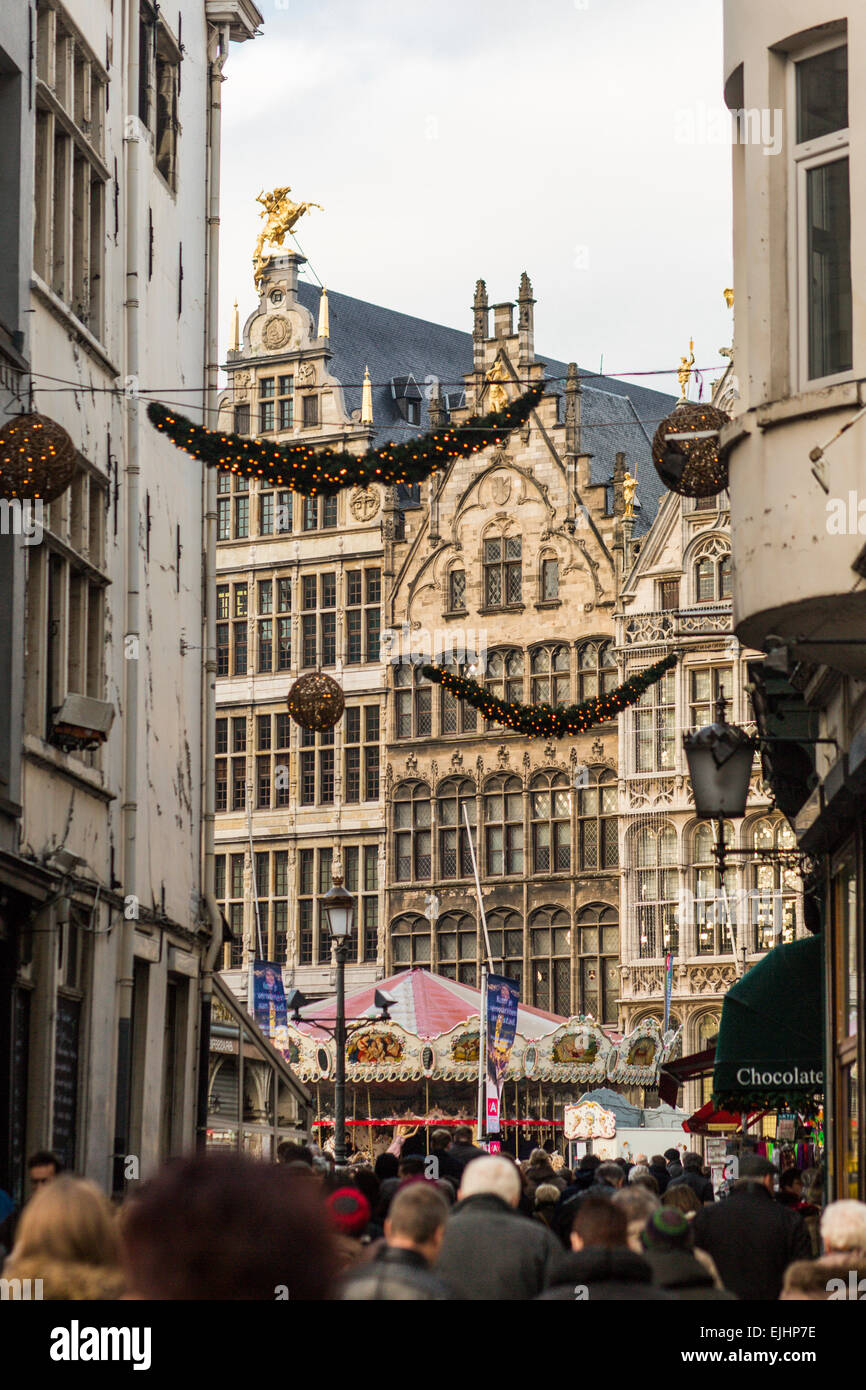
{"x":751,"y":1237}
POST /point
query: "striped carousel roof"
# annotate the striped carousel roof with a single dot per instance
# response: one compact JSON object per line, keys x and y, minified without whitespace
{"x":427,"y":1005}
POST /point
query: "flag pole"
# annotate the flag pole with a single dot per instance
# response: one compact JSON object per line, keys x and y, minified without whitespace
{"x":481,"y":1112}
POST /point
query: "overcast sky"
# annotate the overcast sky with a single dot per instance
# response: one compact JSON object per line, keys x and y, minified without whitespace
{"x":575,"y":139}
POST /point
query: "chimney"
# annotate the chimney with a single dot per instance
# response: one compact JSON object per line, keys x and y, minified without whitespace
{"x":503,"y":320}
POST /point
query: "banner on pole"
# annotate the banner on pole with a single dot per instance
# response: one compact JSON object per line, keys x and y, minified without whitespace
{"x":269,"y":1003}
{"x":669,"y":984}
{"x":503,"y":996}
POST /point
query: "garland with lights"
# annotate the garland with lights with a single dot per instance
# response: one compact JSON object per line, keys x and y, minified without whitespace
{"x":549,"y":721}
{"x":310,"y":470}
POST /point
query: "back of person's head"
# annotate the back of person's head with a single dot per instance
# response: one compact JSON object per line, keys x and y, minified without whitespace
{"x":657,"y":1161}
{"x":290,"y":1152}
{"x":68,"y":1221}
{"x":448,"y":1188}
{"x":412,"y":1166}
{"x":806,"y":1281}
{"x":789,"y":1178}
{"x":546,"y":1193}
{"x":386,"y":1166}
{"x":600,"y":1224}
{"x":610,"y":1173}
{"x":813,"y":1185}
{"x":489,"y":1174}
{"x":440,"y":1139}
{"x":682,"y":1197}
{"x":692,"y":1163}
{"x":539,"y":1159}
{"x":387,"y":1192}
{"x":636,"y":1202}
{"x":366,"y":1181}
{"x":640,"y":1170}
{"x":646,"y":1181}
{"x":417,"y":1213}
{"x":463,"y":1135}
{"x":667,"y":1229}
{"x":843,"y":1226}
{"x":350,"y":1210}
{"x":672,"y":1155}
{"x":589,"y":1163}
{"x":45,"y":1158}
{"x":222,"y":1226}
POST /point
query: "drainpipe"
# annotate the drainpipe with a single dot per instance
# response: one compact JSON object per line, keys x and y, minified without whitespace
{"x":129,"y":809}
{"x":218,"y":47}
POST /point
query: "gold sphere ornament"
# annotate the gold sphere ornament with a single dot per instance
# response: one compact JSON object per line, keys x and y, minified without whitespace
{"x":316,"y":701}
{"x":689,"y":462}
{"x":37,"y":459}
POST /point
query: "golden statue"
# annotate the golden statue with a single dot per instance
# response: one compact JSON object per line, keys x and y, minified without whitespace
{"x":629,"y":488}
{"x":729,"y":298}
{"x":684,"y":370}
{"x":498,"y":394}
{"x":280,"y":215}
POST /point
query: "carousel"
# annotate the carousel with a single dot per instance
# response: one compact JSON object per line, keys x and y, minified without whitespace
{"x":418,"y":1069}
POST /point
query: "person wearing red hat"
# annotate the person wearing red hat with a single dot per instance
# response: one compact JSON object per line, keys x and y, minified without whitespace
{"x":350,"y":1213}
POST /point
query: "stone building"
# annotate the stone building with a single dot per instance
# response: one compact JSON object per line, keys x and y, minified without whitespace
{"x":676,"y":597}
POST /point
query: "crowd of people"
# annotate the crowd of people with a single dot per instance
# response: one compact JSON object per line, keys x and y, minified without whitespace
{"x":453,"y":1224}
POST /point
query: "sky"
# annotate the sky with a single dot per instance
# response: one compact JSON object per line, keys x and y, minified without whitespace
{"x":579,"y":140}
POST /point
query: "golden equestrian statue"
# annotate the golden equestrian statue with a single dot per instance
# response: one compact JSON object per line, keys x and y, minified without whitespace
{"x":280,"y":215}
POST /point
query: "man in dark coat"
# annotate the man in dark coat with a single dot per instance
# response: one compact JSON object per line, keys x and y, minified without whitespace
{"x":400,"y":1270}
{"x":659,"y":1170}
{"x":449,"y":1166}
{"x":462,"y":1150}
{"x":608,"y":1178}
{"x":751,"y":1237}
{"x":692,"y":1176}
{"x":601,"y":1266}
{"x":672,"y":1159}
{"x":668,"y":1248}
{"x":489,"y":1251}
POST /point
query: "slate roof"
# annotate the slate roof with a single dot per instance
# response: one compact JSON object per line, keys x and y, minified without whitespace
{"x":616,"y":415}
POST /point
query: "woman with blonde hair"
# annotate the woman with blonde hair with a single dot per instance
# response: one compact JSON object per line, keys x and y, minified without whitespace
{"x":67,"y":1238}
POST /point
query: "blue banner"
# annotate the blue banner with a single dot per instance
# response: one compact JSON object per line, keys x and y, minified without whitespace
{"x":269,"y":1000}
{"x":669,"y":984}
{"x":503,"y":996}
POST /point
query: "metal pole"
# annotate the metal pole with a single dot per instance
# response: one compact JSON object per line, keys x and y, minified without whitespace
{"x":340,"y":1077}
{"x":482,"y":1055}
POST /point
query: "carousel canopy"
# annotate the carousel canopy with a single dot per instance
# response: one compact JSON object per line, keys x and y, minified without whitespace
{"x":426,"y":1006}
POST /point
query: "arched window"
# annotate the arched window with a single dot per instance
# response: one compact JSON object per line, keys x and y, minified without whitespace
{"x":412,"y":832}
{"x":548,"y":577}
{"x":550,"y":810}
{"x":551,"y":676}
{"x":503,"y":826}
{"x":596,"y":670}
{"x":550,"y":960}
{"x":455,"y":860}
{"x":457,"y":590}
{"x":708,"y":1032}
{"x":657,"y":884}
{"x":711,"y":571}
{"x":715,"y":912}
{"x":457,"y":947}
{"x":505,"y":931}
{"x":414,"y":702}
{"x":503,"y":571}
{"x":504,"y":677}
{"x":774,"y":886}
{"x":598,"y":961}
{"x":597,"y":846}
{"x":457,"y":716}
{"x":410,"y":941}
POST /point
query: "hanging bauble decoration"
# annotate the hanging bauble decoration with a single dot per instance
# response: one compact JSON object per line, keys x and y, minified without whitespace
{"x":37,"y":459}
{"x":316,"y":701}
{"x":690,"y":463}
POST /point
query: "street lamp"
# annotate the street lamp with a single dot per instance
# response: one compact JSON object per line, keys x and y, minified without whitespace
{"x":719,"y":758}
{"x":339,"y":908}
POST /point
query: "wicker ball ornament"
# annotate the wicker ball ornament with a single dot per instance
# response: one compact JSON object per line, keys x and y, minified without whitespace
{"x":693,"y":468}
{"x":37,"y":459}
{"x":316,"y":701}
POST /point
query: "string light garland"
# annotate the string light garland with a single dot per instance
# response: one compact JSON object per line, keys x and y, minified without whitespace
{"x":313,"y":471}
{"x":550,"y":721}
{"x":37,"y":459}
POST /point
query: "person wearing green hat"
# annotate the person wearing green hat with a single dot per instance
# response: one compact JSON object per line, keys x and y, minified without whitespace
{"x":668,"y":1248}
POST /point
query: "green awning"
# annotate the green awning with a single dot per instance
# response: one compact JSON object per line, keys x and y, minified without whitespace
{"x":770,"y":1051}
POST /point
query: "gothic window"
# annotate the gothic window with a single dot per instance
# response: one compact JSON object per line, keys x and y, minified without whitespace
{"x":550,"y":807}
{"x":412,"y":834}
{"x":413,"y":697}
{"x":503,"y":572}
{"x":505,"y":930}
{"x":549,"y":579}
{"x":654,"y":726}
{"x":597,"y":846}
{"x":457,"y":716}
{"x":504,"y":677}
{"x":598,"y":962}
{"x":706,"y":684}
{"x":711,"y":571}
{"x":503,"y":826}
{"x":657,"y":890}
{"x":457,"y":591}
{"x":551,"y":676}
{"x":550,"y":960}
{"x":715,"y":912}
{"x":457,"y":947}
{"x":455,"y":860}
{"x":410,"y":941}
{"x":596,"y":670}
{"x":773,"y":888}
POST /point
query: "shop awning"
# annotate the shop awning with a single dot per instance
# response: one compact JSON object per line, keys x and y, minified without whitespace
{"x":770,"y":1051}
{"x":709,"y":1120}
{"x":674,"y":1074}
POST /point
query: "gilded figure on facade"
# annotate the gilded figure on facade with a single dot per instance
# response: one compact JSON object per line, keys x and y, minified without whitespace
{"x":280,"y":215}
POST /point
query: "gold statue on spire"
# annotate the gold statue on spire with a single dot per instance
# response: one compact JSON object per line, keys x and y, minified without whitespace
{"x":498,"y":394}
{"x":684,"y":370}
{"x":280,"y":215}
{"x":629,"y":488}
